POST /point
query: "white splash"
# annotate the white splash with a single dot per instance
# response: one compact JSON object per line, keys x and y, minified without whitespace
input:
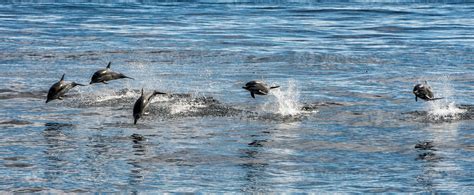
{"x":183,"y":106}
{"x":286,"y":100}
{"x":114,"y":95}
{"x":443,"y":109}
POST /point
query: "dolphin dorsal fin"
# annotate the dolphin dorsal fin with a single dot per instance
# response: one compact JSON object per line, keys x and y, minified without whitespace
{"x":426,"y":82}
{"x":108,"y":65}
{"x":62,"y":78}
{"x":142,"y":91}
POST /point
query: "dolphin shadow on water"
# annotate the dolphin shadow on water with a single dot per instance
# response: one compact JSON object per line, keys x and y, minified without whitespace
{"x":428,"y":157}
{"x":254,"y":165}
{"x":57,"y":140}
{"x":137,"y":171}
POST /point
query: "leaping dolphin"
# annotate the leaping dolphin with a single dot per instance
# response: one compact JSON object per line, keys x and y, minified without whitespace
{"x":104,"y":75}
{"x":60,"y":88}
{"x":258,"y":87}
{"x":424,"y":92}
{"x":141,"y":104}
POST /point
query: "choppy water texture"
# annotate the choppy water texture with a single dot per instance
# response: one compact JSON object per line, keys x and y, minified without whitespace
{"x":343,"y":120}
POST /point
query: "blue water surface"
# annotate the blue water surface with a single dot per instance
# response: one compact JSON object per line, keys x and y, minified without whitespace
{"x":343,"y":120}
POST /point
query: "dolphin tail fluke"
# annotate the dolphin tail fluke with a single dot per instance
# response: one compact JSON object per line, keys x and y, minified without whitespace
{"x":108,"y":65}
{"x":274,"y":87}
{"x":154,"y":94}
{"x":77,"y":84}
{"x":159,"y":93}
{"x":126,"y":77}
{"x":432,"y":99}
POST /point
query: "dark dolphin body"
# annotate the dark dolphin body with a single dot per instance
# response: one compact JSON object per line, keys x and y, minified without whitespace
{"x":104,"y":75}
{"x":424,"y":92}
{"x":141,"y":104}
{"x":258,"y":87}
{"x":60,"y":88}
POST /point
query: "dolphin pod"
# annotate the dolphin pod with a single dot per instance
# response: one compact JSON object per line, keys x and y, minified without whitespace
{"x":255,"y":87}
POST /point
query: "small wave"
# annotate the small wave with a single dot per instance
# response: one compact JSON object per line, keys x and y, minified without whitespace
{"x":351,"y":11}
{"x":6,"y":94}
{"x":15,"y":122}
{"x":313,"y":107}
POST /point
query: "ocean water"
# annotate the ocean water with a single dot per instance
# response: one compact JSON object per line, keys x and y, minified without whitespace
{"x":343,"y":120}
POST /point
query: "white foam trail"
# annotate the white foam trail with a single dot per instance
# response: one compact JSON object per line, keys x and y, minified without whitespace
{"x":444,"y":108}
{"x":285,"y":101}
